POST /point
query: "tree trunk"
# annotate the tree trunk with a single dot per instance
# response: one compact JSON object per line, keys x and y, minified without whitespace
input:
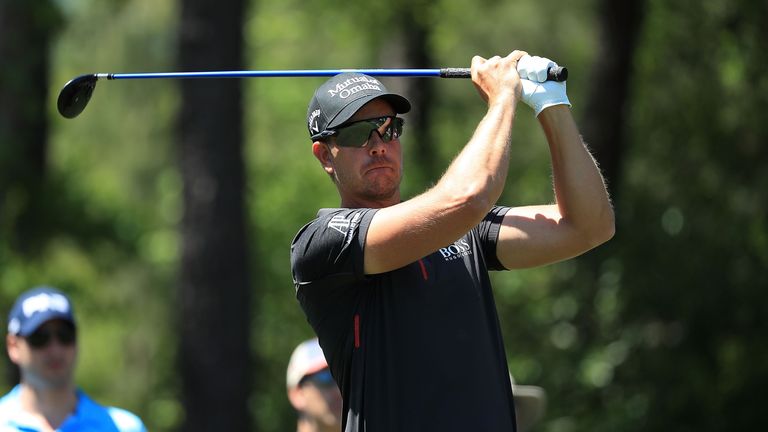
{"x":604,"y":126}
{"x":213,"y":283}
{"x":420,"y":92}
{"x":26,"y":29}
{"x":604,"y":121}
{"x":412,"y":51}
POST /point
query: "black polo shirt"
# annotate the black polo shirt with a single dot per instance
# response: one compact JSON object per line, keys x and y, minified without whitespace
{"x":415,"y":349}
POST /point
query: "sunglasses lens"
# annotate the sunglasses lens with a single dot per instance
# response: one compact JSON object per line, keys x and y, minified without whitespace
{"x":319,"y":379}
{"x":65,"y":335}
{"x":357,"y":134}
{"x":354,"y":135}
{"x":38,"y":339}
{"x":394,"y":130}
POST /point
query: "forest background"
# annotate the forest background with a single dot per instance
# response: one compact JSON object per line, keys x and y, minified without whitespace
{"x":167,"y":208}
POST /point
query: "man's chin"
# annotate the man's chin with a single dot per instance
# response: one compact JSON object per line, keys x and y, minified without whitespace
{"x":382,"y":195}
{"x":383,"y":189}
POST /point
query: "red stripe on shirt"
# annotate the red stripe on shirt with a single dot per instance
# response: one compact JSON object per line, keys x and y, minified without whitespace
{"x":357,"y":330}
{"x":423,"y":270}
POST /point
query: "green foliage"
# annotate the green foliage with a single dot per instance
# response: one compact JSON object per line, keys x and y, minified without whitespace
{"x":660,"y":328}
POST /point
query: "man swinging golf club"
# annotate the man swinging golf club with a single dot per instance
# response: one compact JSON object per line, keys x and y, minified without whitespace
{"x":397,"y":289}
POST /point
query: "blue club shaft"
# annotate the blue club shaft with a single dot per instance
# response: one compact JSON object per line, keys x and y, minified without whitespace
{"x":77,"y":92}
{"x":277,"y":73}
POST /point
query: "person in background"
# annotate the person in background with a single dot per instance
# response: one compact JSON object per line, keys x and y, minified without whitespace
{"x":42,"y":342}
{"x":312,"y":390}
{"x":530,"y":404}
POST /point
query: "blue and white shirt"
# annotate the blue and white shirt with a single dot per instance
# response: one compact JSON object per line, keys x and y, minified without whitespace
{"x":89,"y":416}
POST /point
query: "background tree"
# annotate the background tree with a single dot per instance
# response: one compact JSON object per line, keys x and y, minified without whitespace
{"x":26,"y":30}
{"x":415,"y":51}
{"x":214,"y":284}
{"x":603,"y":123}
{"x":661,"y":328}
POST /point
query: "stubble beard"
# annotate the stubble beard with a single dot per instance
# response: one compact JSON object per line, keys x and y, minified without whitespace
{"x":378,"y":189}
{"x":382,"y":189}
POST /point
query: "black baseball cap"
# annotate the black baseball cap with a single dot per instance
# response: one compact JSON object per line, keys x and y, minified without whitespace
{"x":340,"y":97}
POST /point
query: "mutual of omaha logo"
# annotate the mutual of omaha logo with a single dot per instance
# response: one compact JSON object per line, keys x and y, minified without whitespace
{"x":354,"y":85}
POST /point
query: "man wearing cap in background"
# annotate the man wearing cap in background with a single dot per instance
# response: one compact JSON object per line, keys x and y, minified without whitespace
{"x":398,"y":291}
{"x":530,"y":404}
{"x":312,"y":390}
{"x":42,"y":342}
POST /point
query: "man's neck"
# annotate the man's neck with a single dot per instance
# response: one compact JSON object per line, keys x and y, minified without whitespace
{"x":51,"y":405}
{"x":357,"y":202}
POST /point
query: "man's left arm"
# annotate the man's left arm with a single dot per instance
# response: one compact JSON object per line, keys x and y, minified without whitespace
{"x":582,"y":216}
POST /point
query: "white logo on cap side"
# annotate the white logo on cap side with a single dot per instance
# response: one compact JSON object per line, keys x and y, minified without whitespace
{"x":313,"y":120}
{"x":14,"y":326}
{"x":44,"y":302}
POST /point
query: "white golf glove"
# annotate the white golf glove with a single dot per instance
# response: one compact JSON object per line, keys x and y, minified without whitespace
{"x":534,"y":68}
{"x":538,"y":93}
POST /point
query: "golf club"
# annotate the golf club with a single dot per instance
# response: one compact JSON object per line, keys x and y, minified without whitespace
{"x":78,"y":91}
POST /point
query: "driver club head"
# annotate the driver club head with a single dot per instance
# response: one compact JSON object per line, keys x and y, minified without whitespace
{"x":75,"y":95}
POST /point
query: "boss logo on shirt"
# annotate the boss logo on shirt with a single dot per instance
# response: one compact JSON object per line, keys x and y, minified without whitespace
{"x":458,"y":249}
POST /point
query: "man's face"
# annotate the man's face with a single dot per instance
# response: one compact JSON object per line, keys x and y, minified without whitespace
{"x":321,"y":398}
{"x":370,"y":175}
{"x":47,"y":357}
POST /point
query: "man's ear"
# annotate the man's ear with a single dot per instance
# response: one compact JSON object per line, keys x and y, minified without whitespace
{"x":12,"y":345}
{"x":296,"y":396}
{"x":323,"y":153}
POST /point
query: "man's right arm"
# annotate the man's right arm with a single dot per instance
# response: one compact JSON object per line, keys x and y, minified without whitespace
{"x":403,"y":233}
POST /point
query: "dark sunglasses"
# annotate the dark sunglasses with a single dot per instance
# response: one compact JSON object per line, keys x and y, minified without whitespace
{"x":357,"y":134}
{"x":66,"y":335}
{"x":318,"y":379}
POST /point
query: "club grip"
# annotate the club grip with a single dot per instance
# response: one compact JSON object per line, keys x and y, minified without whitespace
{"x":555,"y":73}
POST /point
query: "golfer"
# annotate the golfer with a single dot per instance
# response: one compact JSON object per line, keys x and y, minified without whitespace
{"x":397,"y":289}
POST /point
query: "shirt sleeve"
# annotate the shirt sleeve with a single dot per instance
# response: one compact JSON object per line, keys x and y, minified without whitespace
{"x":488,"y":231}
{"x":125,"y":420}
{"x":331,"y":246}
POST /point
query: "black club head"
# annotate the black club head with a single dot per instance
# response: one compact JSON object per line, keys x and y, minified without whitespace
{"x":75,"y":95}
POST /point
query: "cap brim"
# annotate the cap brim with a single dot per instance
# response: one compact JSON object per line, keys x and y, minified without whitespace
{"x":309,"y":370}
{"x":399,"y":103}
{"x":35,"y":322}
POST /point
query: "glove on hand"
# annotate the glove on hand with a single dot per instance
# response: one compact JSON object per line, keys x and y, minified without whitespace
{"x":534,"y":68}
{"x":538,"y":93}
{"x":543,"y":95}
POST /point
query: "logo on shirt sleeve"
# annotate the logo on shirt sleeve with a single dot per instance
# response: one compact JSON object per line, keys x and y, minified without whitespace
{"x":346,"y":225}
{"x":340,"y":224}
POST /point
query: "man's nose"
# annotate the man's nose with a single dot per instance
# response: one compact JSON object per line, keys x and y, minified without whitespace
{"x":376,"y":144}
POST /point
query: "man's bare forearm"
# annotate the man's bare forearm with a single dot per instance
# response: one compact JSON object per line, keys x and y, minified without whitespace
{"x":579,"y":187}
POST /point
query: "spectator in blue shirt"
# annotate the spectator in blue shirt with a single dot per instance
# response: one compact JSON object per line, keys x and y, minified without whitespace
{"x":42,"y":342}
